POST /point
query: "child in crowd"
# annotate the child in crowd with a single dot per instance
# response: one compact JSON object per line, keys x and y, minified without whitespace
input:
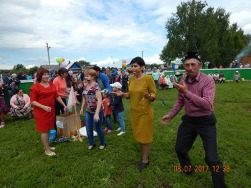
{"x":3,"y":108}
{"x":85,"y":83}
{"x":79,"y":89}
{"x":107,"y":111}
{"x":118,"y":108}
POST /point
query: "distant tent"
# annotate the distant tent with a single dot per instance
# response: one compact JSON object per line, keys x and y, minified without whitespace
{"x":118,"y":64}
{"x":73,"y":66}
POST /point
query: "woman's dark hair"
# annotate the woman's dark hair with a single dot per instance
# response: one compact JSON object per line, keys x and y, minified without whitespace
{"x":96,"y":68}
{"x":138,"y":60}
{"x":61,"y":71}
{"x":17,"y":90}
{"x":40,"y":72}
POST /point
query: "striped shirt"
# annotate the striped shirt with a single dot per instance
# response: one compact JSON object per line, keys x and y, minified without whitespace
{"x":200,"y":97}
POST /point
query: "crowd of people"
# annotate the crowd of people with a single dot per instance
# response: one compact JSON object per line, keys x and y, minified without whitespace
{"x":99,"y":94}
{"x":12,"y":98}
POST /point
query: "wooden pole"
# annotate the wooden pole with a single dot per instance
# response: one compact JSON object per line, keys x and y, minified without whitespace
{"x":77,"y":123}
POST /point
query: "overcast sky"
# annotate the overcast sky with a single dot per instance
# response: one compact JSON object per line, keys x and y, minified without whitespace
{"x":98,"y":31}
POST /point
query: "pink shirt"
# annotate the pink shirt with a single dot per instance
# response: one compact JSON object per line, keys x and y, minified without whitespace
{"x":61,"y":86}
{"x":200,"y":97}
{"x":26,"y":99}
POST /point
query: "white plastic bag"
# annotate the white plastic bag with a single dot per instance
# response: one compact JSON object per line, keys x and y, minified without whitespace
{"x":83,"y":132}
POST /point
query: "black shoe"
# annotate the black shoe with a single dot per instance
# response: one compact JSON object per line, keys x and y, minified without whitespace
{"x":143,"y":166}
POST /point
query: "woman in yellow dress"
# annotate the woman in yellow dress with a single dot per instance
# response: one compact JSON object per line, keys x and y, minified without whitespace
{"x":141,"y":92}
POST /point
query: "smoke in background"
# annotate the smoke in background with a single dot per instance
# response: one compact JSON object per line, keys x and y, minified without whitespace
{"x":245,"y":52}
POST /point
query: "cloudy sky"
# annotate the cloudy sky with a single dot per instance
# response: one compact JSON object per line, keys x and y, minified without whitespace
{"x":98,"y":31}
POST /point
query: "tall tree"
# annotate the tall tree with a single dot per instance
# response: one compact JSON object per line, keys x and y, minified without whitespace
{"x":32,"y":70}
{"x":19,"y":68}
{"x":83,"y":63}
{"x":197,"y":27}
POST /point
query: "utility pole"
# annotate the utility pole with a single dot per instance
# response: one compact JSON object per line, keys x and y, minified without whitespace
{"x":48,"y":52}
{"x":142,"y":54}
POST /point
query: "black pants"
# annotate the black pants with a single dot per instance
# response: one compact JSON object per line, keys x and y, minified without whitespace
{"x":204,"y":126}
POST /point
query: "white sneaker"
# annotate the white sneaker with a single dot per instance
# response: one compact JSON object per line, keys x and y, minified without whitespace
{"x":122,"y":132}
{"x":118,"y":129}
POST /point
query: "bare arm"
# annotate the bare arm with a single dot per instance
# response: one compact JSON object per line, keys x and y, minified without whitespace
{"x":61,"y":102}
{"x":99,"y":103}
{"x":45,"y":108}
{"x":120,"y":93}
{"x":82,"y":106}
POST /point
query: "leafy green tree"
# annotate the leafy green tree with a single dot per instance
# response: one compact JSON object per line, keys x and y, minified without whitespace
{"x":19,"y":68}
{"x":83,"y":63}
{"x":32,"y":70}
{"x":197,"y":27}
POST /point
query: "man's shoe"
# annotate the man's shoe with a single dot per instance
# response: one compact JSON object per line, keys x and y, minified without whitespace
{"x":119,"y":129}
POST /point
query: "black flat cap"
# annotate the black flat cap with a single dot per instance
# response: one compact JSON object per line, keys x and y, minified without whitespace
{"x":190,"y":55}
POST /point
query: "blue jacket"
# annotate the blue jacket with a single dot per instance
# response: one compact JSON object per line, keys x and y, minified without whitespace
{"x":114,"y":73}
{"x":105,"y":80}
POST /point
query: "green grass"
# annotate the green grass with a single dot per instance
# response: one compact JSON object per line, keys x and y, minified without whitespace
{"x":23,"y":163}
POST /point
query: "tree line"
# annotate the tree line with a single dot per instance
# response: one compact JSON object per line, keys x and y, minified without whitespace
{"x":197,"y":27}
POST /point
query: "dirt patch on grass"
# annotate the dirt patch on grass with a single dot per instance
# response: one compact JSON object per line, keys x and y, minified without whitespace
{"x":248,"y":108}
{"x":166,"y":185}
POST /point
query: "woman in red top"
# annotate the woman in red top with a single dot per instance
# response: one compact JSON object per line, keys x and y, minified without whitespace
{"x":42,"y":96}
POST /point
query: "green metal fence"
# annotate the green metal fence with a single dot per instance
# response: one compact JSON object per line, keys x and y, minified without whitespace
{"x":228,"y":73}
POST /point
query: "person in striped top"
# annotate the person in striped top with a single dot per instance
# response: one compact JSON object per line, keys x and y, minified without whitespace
{"x":196,"y":95}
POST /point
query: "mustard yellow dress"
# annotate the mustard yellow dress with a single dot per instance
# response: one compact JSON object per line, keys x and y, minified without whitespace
{"x":141,"y":108}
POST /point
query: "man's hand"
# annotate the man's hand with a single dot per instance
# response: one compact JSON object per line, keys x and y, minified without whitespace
{"x":165,"y":119}
{"x":182,"y":87}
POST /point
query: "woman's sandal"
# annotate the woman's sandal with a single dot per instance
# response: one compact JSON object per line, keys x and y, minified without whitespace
{"x":50,"y":154}
{"x":91,"y":147}
{"x":52,"y":148}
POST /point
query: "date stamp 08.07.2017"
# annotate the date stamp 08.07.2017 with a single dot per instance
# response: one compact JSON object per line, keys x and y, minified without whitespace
{"x":200,"y":168}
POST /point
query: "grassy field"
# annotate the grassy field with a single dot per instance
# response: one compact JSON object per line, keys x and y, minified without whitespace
{"x":23,"y":163}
